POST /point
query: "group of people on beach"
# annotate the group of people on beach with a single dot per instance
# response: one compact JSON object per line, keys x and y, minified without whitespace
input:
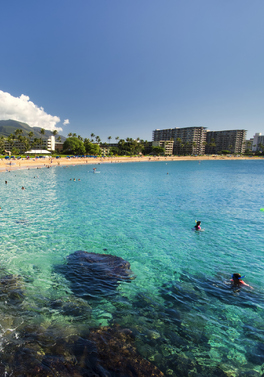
{"x":236,"y":280}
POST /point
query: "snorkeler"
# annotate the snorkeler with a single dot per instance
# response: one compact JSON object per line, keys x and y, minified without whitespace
{"x":197,"y":225}
{"x":238,"y":282}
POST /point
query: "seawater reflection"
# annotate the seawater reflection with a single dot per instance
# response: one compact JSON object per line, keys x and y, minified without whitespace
{"x":178,"y":316}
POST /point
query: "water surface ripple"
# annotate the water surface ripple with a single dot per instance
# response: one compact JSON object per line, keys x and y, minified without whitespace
{"x":180,"y":308}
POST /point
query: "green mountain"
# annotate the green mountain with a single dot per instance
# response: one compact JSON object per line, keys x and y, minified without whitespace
{"x":8,"y":127}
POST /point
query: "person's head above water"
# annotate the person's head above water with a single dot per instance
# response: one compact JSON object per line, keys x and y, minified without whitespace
{"x":237,"y":277}
{"x":198,"y":223}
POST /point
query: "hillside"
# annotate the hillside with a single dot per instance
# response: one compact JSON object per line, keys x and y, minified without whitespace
{"x":8,"y":127}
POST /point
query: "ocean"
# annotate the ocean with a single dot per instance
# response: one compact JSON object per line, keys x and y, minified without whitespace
{"x":179,"y":307}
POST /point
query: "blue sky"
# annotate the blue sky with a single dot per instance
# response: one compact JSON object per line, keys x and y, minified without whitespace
{"x":125,"y":68}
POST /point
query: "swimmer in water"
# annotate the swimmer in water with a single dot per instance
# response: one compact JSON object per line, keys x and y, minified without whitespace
{"x":198,"y":225}
{"x":237,"y":281}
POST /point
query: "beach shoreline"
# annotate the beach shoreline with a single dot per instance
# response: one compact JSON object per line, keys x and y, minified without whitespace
{"x":33,"y":163}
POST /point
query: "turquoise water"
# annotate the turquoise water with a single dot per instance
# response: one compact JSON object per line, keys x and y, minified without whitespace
{"x":180,"y":301}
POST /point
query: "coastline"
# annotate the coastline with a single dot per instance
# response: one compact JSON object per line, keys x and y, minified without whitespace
{"x":33,"y":163}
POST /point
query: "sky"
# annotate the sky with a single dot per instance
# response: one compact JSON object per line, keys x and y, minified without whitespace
{"x":125,"y":68}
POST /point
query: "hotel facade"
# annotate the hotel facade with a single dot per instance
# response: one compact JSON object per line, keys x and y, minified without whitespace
{"x":198,"y":141}
{"x":233,"y":141}
{"x":187,"y":140}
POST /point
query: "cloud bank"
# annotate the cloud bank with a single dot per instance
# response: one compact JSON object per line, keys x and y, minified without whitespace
{"x":24,"y":110}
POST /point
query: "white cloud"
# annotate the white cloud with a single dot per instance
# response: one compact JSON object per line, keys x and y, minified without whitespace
{"x":24,"y":110}
{"x":66,"y":122}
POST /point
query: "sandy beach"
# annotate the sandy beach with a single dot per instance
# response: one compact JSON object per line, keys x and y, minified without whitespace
{"x":32,"y":163}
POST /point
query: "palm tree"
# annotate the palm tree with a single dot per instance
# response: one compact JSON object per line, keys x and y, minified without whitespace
{"x":35,"y":141}
{"x":42,"y":131}
{"x":2,"y":143}
{"x":74,"y":134}
{"x":18,"y":132}
{"x":55,"y":132}
{"x":117,"y":138}
{"x":80,"y":138}
{"x":260,"y":147}
{"x":92,"y":135}
{"x":59,"y":138}
{"x":70,"y":134}
{"x":179,"y":144}
{"x":109,"y":138}
{"x":11,"y":140}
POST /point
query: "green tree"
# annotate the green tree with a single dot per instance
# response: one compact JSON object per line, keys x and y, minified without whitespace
{"x":18,"y":132}
{"x":212,"y":146}
{"x":249,"y":143}
{"x":70,"y":134}
{"x":36,"y":141}
{"x":42,"y":131}
{"x":55,"y":132}
{"x":11,"y":140}
{"x":74,"y":146}
{"x":260,"y":147}
{"x":92,"y":149}
{"x":158,"y":151}
{"x":26,"y":143}
{"x":15,"y":151}
{"x":2,"y":144}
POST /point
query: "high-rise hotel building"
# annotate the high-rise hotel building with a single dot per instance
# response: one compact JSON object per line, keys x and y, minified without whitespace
{"x":197,"y":140}
{"x":187,"y":140}
{"x":233,"y":141}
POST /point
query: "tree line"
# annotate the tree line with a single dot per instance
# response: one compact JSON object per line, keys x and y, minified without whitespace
{"x":76,"y":145}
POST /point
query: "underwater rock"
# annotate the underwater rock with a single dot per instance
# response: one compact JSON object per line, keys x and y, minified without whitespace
{"x":95,"y":275}
{"x":183,"y":366}
{"x":74,"y":307}
{"x":117,"y":353}
{"x":104,"y":352}
{"x":11,"y":290}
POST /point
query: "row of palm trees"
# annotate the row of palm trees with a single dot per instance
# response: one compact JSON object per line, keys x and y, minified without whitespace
{"x":93,"y":139}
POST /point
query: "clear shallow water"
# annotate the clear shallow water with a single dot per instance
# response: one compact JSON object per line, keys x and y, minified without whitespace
{"x":179,"y":302}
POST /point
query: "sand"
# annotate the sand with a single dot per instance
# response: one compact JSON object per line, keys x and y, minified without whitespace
{"x":33,"y":163}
